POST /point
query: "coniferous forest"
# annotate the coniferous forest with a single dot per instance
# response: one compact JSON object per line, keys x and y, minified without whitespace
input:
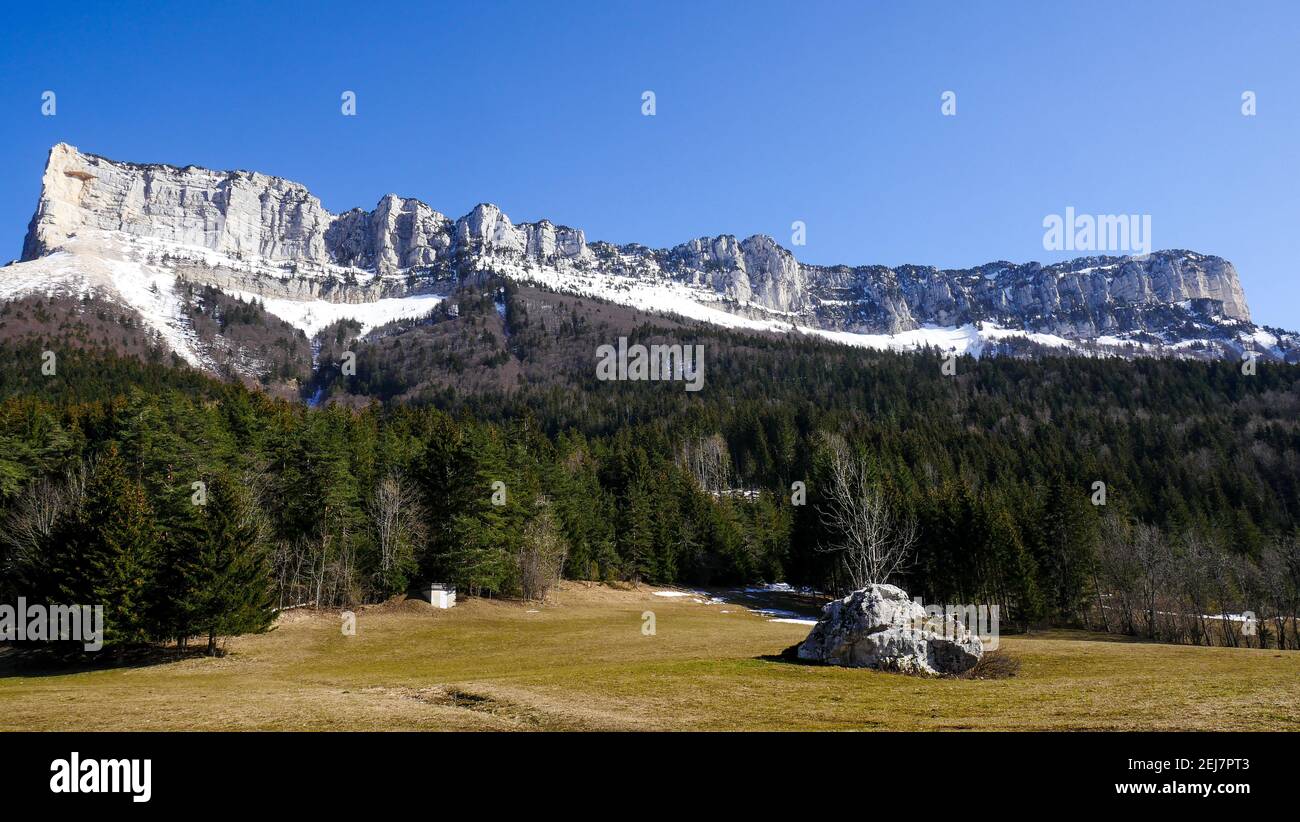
{"x":1149,"y":497}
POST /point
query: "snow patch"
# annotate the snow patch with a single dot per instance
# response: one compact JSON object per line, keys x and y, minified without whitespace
{"x":314,"y":315}
{"x":150,"y":292}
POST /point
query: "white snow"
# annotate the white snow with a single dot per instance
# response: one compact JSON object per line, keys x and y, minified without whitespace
{"x":139,"y":273}
{"x":133,"y":272}
{"x":794,"y":621}
{"x":313,"y":315}
{"x":150,"y":292}
{"x":771,"y":586}
{"x":663,"y":295}
{"x":1263,"y":339}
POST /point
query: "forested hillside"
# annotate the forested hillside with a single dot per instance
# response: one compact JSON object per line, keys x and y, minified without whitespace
{"x":489,"y":455}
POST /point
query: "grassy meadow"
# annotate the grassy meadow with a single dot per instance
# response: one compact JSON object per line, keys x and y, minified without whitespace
{"x":581,"y":662}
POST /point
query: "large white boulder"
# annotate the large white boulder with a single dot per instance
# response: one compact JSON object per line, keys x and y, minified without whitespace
{"x":880,"y":627}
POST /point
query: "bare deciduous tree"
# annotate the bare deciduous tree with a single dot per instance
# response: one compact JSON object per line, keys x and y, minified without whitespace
{"x":708,"y":461}
{"x":1197,"y":596}
{"x":873,"y":540}
{"x":1151,"y":553}
{"x":26,"y":532}
{"x":398,"y":519}
{"x":1279,"y":573}
{"x":541,"y":553}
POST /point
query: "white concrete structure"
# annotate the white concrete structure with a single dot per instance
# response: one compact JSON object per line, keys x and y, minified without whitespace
{"x":440,"y":595}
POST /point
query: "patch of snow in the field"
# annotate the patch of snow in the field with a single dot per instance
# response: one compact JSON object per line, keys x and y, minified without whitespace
{"x":779,"y":587}
{"x":771,"y":614}
{"x":778,"y":613}
{"x":1221,"y":617}
{"x":698,"y":597}
{"x":1230,"y":617}
{"x":313,"y":315}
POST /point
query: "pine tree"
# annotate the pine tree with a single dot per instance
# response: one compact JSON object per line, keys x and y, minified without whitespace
{"x":105,"y":553}
{"x":224,"y":578}
{"x":475,"y":523}
{"x":1066,"y":548}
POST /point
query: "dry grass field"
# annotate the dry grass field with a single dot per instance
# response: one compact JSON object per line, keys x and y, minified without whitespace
{"x":581,"y":662}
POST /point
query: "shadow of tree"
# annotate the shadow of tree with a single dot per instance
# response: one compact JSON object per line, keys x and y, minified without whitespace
{"x":48,"y":661}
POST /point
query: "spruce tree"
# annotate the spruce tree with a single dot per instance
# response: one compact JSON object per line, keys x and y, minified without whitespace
{"x":105,"y":552}
{"x":227,"y":579}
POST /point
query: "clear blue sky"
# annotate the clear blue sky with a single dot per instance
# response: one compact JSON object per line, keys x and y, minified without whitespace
{"x":768,"y":112}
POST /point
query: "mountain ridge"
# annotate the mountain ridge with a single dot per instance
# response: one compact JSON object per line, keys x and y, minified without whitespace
{"x":256,"y":235}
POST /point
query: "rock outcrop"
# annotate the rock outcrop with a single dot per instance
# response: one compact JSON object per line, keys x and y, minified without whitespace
{"x":1078,"y":299}
{"x":231,"y":212}
{"x":879,"y":627}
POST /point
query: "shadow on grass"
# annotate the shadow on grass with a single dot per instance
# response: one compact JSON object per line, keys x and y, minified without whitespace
{"x":992,"y":665}
{"x":785,"y":603}
{"x":790,"y":656}
{"x":35,"y":662}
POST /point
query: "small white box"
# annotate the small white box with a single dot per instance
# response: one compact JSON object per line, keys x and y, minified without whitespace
{"x":440,"y":595}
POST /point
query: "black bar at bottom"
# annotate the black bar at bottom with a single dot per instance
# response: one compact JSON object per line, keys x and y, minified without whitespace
{"x":297,"y":772}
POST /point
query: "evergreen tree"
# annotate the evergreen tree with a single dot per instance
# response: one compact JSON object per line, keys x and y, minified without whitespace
{"x":219,"y":573}
{"x":105,"y":552}
{"x":1067,"y":539}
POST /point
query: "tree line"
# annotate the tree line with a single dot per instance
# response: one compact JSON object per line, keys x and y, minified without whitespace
{"x":502,"y":494}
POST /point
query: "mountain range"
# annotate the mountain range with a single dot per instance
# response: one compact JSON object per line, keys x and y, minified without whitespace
{"x":174,"y":253}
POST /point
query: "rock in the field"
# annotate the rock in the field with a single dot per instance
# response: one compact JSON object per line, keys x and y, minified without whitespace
{"x":880,"y":627}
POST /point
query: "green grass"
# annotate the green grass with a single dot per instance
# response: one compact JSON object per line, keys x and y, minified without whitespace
{"x":581,"y":662}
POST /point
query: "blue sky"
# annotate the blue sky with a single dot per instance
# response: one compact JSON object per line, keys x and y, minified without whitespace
{"x":767,"y":113}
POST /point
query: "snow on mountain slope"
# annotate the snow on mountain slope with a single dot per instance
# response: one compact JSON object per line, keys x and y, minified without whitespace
{"x":135,"y":230}
{"x":663,"y":295}
{"x":146,"y":282}
{"x":149,"y":292}
{"x":142,"y":274}
{"x":312,"y":316}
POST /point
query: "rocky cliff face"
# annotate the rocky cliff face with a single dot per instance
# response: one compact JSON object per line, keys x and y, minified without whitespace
{"x":1081,"y":298}
{"x":235,"y":213}
{"x":245,"y":216}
